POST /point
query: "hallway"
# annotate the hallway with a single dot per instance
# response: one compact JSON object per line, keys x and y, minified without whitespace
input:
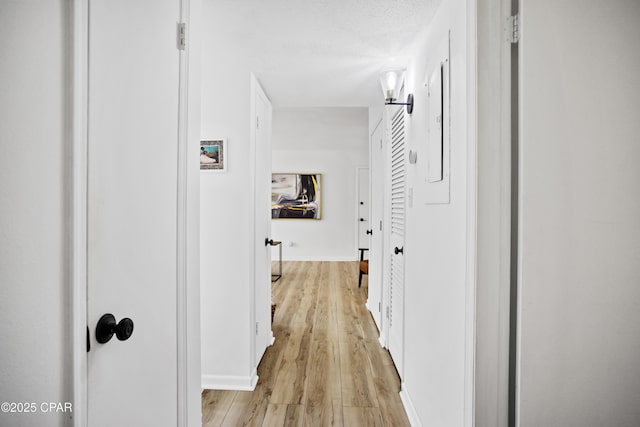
{"x":326,"y":366}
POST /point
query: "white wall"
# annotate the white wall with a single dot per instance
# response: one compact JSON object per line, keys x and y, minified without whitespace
{"x":226,"y":213}
{"x":580,"y":214}
{"x":332,"y":142}
{"x":34,"y":275}
{"x":436,"y":241}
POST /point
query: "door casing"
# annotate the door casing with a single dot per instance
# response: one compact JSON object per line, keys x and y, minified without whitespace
{"x":492,"y":227}
{"x":376,"y":215}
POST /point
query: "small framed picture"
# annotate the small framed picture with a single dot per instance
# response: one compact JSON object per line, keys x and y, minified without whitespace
{"x":212,"y":155}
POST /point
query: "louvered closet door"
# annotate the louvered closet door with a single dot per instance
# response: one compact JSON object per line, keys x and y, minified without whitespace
{"x":396,"y":291}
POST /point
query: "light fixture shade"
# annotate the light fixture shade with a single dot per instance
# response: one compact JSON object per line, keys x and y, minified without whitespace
{"x":391,"y":82}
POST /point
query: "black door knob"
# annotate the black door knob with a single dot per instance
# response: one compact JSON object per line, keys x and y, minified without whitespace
{"x":361,"y":219}
{"x":107,"y":326}
{"x":399,"y":250}
{"x":369,"y":231}
{"x":268,"y":241}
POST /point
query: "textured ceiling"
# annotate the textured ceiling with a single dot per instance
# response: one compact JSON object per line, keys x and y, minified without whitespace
{"x":318,"y":52}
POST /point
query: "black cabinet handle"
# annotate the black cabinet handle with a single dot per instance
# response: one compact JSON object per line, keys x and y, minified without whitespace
{"x":370,"y":232}
{"x":107,"y":326}
{"x":268,"y":241}
{"x":399,"y":250}
{"x":361,"y":219}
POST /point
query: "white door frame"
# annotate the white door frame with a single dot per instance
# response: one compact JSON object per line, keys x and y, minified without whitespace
{"x":490,"y":178}
{"x":79,"y":210}
{"x":187,"y":307}
{"x":379,"y":317}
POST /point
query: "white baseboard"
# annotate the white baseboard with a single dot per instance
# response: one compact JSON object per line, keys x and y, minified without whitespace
{"x":229,"y":382}
{"x":310,"y":258}
{"x":368,"y":306}
{"x":409,"y":408}
{"x":373,"y":316}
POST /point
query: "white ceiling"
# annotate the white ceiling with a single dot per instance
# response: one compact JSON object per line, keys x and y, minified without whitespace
{"x":319,"y":53}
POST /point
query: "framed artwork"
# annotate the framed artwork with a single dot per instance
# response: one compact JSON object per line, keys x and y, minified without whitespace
{"x":296,"y":196}
{"x":212,"y":155}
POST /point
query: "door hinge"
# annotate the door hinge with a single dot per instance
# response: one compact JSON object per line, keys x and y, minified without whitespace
{"x":182,"y":36}
{"x":380,"y":225}
{"x":513,"y":28}
{"x":257,"y":122}
{"x":379,"y":307}
{"x":387,"y":312}
{"x":256,"y":328}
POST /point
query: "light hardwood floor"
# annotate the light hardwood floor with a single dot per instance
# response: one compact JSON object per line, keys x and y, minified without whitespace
{"x":326,"y":366}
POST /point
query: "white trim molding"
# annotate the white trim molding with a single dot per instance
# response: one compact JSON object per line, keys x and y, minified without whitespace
{"x":471,"y":271}
{"x":230,"y":382}
{"x":79,"y":87}
{"x":382,"y":340}
{"x":409,"y":408}
{"x":322,"y":258}
{"x":492,"y":170}
{"x":252,"y":215}
{"x":182,"y":309}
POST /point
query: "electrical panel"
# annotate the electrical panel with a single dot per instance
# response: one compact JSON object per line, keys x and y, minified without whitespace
{"x":438,"y":150}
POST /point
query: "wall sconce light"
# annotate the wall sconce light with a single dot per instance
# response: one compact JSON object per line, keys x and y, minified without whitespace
{"x":391,"y":82}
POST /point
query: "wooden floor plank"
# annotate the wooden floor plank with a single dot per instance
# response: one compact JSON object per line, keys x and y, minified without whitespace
{"x":215,"y":405}
{"x":292,"y":370}
{"x":358,"y":387}
{"x":326,"y":367}
{"x":236,"y":411}
{"x":275,"y":415}
{"x":294,"y":416}
{"x":338,"y":413}
{"x":323,"y":373}
{"x":362,"y":416}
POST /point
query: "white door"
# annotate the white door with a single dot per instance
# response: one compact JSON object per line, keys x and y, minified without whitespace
{"x":133,"y":78}
{"x":396,"y":239}
{"x":262,"y":303}
{"x":578,"y":336}
{"x":374,"y":299}
{"x":363,"y":209}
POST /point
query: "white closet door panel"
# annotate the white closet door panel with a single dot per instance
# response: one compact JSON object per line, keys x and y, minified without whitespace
{"x":396,"y":293}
